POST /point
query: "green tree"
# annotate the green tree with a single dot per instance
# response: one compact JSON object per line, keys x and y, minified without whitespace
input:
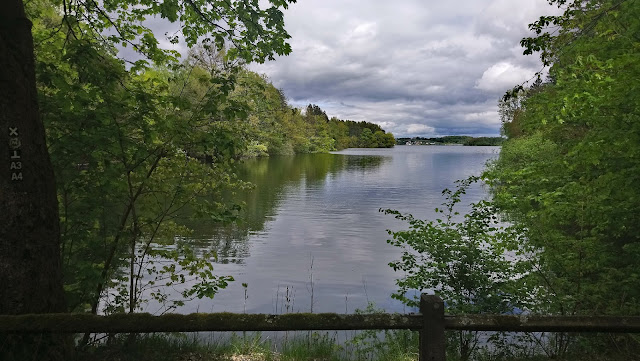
{"x":568,"y":171}
{"x":313,"y":109}
{"x":366,"y":138}
{"x":29,"y":228}
{"x":31,"y":219}
{"x":132,"y":167}
{"x":339,"y":130}
{"x":384,"y":140}
{"x":475,"y":264}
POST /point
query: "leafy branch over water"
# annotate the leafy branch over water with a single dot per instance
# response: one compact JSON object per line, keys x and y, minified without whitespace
{"x":475,"y":263}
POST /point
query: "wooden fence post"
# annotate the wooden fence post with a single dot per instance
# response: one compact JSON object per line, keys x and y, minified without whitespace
{"x":432,"y":342}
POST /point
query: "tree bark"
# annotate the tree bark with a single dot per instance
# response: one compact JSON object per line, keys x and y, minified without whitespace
{"x":30,"y":265}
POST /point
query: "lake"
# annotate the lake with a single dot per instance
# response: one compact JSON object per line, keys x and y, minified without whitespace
{"x":311,"y":236}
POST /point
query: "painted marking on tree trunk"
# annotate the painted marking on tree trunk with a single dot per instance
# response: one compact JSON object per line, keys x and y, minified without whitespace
{"x":14,"y":143}
{"x":15,"y":156}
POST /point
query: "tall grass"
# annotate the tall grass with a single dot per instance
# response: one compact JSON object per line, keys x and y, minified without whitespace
{"x":254,"y":346}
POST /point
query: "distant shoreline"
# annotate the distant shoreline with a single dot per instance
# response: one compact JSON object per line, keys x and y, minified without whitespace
{"x":452,"y":140}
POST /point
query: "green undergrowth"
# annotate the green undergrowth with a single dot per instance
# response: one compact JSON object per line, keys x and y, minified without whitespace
{"x":400,"y":345}
{"x":293,"y":346}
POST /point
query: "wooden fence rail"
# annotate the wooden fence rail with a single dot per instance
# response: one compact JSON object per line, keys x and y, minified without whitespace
{"x":431,"y":322}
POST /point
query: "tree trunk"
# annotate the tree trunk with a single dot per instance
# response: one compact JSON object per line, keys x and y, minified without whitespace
{"x":30,"y":266}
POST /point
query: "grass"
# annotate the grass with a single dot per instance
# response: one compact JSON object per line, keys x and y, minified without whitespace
{"x":307,"y":346}
{"x":370,"y":345}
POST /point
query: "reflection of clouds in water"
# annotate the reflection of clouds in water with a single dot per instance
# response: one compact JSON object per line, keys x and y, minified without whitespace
{"x":328,"y":212}
{"x":413,"y":161}
{"x":355,"y":249}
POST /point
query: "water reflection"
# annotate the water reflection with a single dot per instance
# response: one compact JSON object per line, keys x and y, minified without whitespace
{"x":363,"y":162}
{"x":311,"y":226}
{"x":272,"y":178}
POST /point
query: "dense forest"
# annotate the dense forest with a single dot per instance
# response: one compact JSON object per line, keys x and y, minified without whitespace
{"x":570,"y":169}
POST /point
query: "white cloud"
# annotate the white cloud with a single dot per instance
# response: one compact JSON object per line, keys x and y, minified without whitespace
{"x":419,"y":129}
{"x":490,"y":117}
{"x":414,"y":67}
{"x":387,"y":125}
{"x":503,"y":76}
{"x":509,"y":19}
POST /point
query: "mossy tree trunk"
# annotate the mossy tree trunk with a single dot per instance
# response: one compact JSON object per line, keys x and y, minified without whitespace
{"x":30,"y":267}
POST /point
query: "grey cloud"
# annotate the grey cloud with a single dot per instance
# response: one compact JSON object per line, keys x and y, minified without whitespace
{"x":409,"y":66}
{"x":438,"y":67}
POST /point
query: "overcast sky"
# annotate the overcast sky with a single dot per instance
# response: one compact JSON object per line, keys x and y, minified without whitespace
{"x":417,"y":68}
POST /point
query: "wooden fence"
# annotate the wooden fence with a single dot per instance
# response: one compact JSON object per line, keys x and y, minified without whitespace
{"x":431,"y":322}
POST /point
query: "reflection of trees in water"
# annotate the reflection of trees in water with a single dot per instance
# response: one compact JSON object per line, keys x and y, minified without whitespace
{"x":228,"y":242}
{"x":364,"y":162}
{"x":271,"y":177}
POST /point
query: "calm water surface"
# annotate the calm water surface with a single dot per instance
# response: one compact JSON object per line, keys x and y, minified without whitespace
{"x":312,"y":236}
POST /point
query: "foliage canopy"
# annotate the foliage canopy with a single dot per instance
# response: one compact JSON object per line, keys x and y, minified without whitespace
{"x":570,"y":169}
{"x":140,"y":150}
